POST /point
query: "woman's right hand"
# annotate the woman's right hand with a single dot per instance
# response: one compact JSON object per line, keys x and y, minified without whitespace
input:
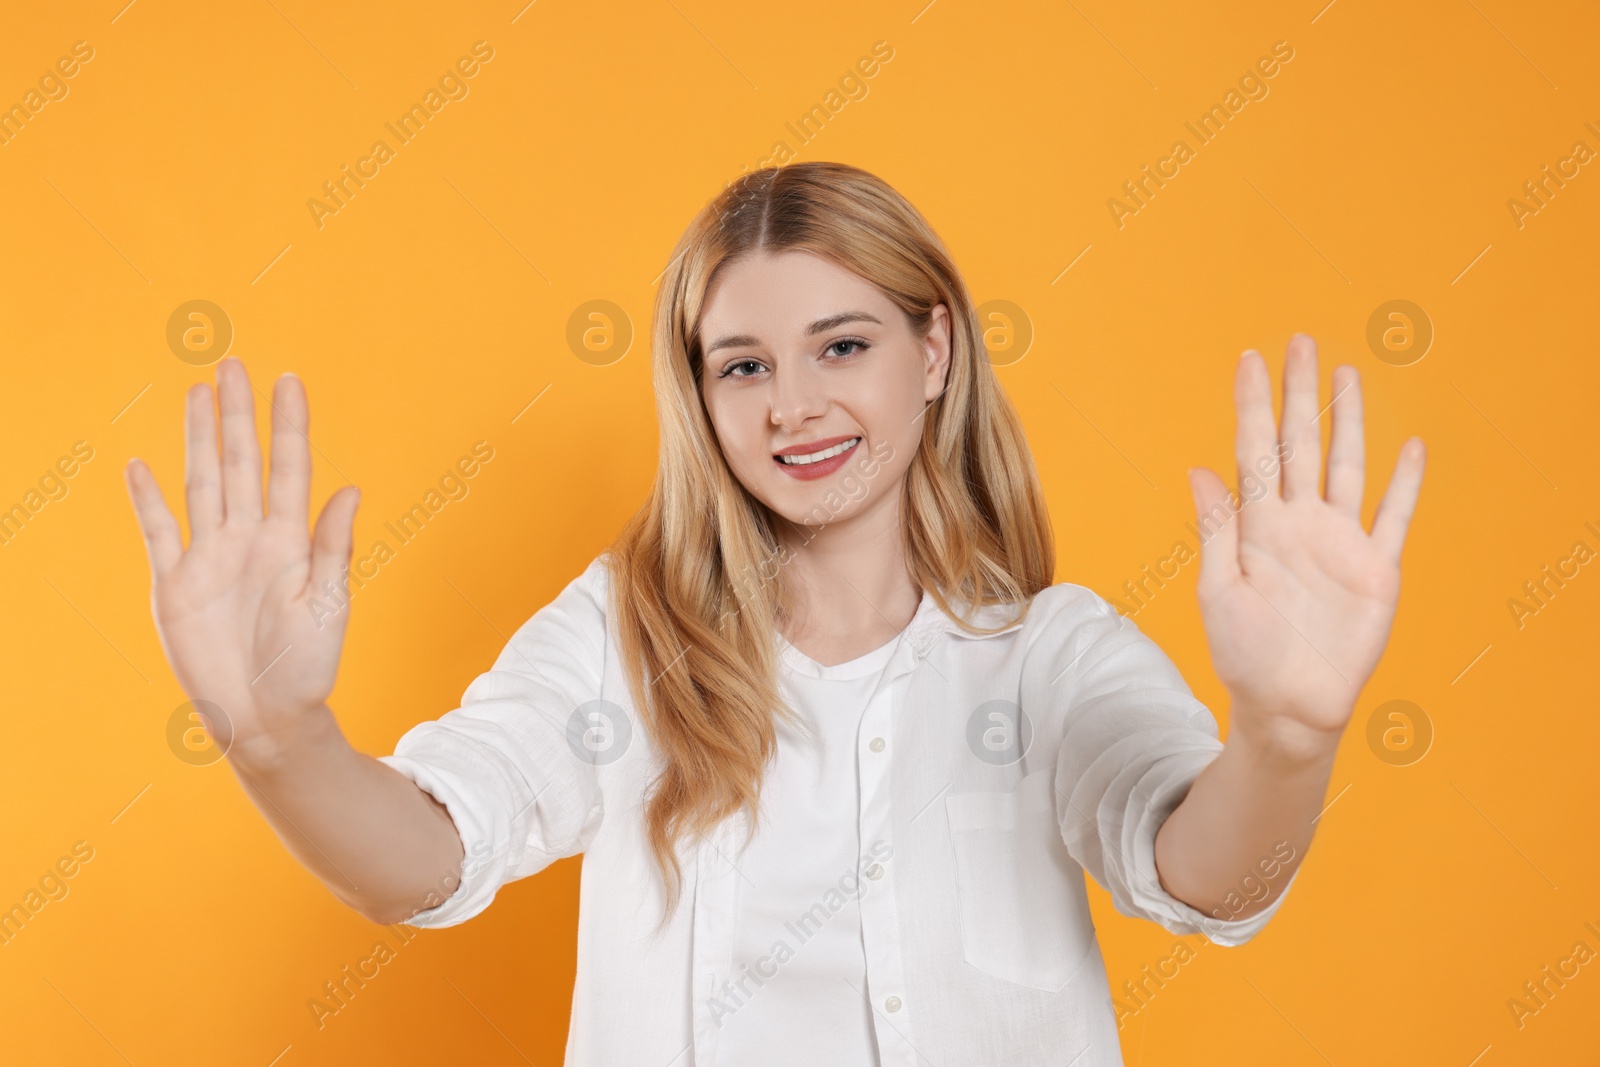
{"x":235,"y":611}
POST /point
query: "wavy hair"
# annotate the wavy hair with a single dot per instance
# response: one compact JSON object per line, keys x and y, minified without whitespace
{"x":696,"y":576}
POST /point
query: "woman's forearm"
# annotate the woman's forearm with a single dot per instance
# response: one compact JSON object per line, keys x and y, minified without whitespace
{"x":1245,"y":823}
{"x":381,"y":844}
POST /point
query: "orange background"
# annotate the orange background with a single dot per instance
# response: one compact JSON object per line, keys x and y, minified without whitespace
{"x":433,"y":308}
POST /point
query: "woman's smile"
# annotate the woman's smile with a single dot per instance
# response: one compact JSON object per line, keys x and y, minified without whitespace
{"x":816,"y":459}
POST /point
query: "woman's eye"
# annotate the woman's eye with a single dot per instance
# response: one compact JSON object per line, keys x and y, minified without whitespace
{"x":854,"y":344}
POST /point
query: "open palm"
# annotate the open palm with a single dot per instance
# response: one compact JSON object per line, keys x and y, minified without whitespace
{"x":234,"y":611}
{"x":1297,"y":599}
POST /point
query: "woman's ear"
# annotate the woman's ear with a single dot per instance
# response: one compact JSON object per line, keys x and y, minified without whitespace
{"x":936,"y":352}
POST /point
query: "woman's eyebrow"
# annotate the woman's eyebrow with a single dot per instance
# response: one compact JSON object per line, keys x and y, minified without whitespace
{"x":820,"y":326}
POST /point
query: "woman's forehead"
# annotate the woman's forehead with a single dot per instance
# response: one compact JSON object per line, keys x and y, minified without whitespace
{"x":790,"y":292}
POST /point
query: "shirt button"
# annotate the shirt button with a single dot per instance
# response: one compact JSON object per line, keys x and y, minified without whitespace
{"x":892,"y":1004}
{"x":876,"y":744}
{"x":875,"y":872}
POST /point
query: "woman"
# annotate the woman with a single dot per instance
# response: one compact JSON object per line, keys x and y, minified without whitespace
{"x":834,"y":747}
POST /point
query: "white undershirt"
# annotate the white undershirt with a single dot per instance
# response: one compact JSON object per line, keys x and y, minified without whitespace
{"x":814,"y":1009}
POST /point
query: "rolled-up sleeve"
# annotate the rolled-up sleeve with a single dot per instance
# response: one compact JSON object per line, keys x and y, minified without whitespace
{"x":1135,"y":738}
{"x":501,"y":763}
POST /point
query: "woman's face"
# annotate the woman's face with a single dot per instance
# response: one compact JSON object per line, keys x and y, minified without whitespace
{"x":806,"y":360}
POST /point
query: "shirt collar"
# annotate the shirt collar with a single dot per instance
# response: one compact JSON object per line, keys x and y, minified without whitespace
{"x":929,"y":621}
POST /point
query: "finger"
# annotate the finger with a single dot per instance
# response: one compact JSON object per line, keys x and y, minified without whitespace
{"x":1347,"y":455}
{"x":241,"y":452}
{"x":332,"y":540}
{"x":1219,"y":534}
{"x":202,"y":473}
{"x":1400,"y":499}
{"x":289,"y":482}
{"x":1301,"y":433}
{"x":1257,"y":436}
{"x":162,"y":541}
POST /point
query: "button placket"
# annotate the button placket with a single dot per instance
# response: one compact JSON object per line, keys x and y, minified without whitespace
{"x":880,"y":921}
{"x":716,"y":893}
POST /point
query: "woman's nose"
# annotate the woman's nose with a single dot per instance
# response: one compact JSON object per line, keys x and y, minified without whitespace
{"x":797,"y":393}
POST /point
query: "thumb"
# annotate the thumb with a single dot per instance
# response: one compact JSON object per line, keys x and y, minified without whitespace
{"x":1217,"y":520}
{"x":333,"y":538}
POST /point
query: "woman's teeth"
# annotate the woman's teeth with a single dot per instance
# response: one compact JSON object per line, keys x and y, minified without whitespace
{"x":817,"y":457}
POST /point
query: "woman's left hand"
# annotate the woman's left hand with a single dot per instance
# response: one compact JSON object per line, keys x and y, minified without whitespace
{"x":1297,"y":599}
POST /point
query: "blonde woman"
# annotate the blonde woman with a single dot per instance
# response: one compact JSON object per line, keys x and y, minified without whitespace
{"x":834,"y":748}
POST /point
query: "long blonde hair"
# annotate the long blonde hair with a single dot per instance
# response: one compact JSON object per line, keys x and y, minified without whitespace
{"x":696,"y":574}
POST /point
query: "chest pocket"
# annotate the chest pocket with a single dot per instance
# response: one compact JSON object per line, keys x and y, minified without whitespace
{"x":1023,"y":908}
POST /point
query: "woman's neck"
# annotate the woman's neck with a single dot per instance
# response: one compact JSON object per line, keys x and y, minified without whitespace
{"x":846,"y":586}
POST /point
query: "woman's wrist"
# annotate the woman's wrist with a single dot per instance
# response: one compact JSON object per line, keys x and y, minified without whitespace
{"x":290,"y":743}
{"x":1280,"y":744}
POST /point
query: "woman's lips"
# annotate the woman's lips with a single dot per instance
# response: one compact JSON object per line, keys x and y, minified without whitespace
{"x":808,"y":472}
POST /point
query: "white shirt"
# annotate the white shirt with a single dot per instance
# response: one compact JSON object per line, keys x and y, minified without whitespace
{"x":1010,"y":764}
{"x":798,"y":954}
